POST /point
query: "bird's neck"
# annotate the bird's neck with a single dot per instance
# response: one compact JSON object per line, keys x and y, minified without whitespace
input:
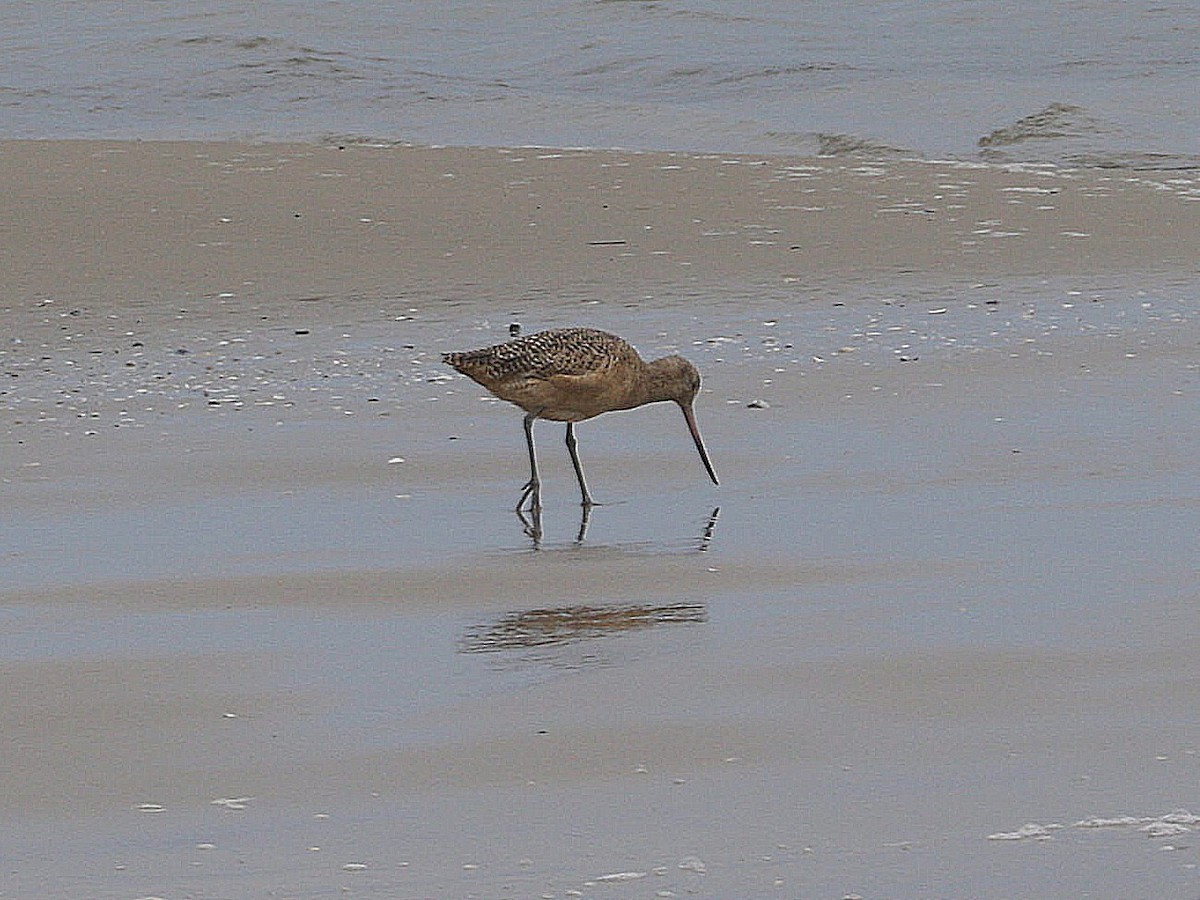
{"x":657,"y":381}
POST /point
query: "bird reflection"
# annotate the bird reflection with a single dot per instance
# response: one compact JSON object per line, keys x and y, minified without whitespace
{"x":531,"y":524}
{"x":563,"y":625}
{"x":709,"y":529}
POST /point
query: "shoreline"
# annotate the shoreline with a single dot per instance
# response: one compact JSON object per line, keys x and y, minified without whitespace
{"x":197,"y":221}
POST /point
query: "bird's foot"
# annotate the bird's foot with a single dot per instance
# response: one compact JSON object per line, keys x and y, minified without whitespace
{"x":531,"y":491}
{"x":532,"y":525}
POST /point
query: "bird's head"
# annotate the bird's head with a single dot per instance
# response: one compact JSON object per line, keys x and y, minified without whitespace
{"x":675,"y":379}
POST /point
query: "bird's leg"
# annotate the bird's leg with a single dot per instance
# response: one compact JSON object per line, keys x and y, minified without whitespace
{"x":533,"y":488}
{"x":587,"y":498}
{"x":586,"y":514}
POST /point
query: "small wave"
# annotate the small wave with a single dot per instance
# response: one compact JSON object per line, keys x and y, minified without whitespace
{"x":807,"y":143}
{"x":752,"y":82}
{"x":255,"y":42}
{"x":1058,"y":120}
{"x":271,"y":56}
{"x":1068,"y":135}
{"x":804,"y":69}
{"x":853,"y":145}
{"x":618,"y":66}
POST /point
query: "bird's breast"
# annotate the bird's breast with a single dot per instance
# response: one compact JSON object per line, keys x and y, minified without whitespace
{"x":564,"y":398}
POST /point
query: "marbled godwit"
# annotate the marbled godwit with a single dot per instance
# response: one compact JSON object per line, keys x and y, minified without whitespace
{"x":572,"y":374}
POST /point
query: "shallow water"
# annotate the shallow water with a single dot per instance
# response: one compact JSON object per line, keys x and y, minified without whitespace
{"x":1094,"y":83}
{"x":261,"y":395}
{"x":948,"y":592}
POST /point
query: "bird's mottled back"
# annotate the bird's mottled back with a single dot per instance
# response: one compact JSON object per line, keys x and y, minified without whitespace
{"x":559,"y":351}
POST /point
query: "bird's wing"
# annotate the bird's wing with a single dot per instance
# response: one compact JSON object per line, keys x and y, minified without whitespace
{"x":583,"y":363}
{"x":574,"y":352}
{"x":565,"y":353}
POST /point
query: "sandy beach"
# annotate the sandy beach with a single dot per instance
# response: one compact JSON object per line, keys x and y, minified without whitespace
{"x":269,"y":626}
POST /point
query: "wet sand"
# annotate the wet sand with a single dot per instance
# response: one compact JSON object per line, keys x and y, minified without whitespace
{"x":270,"y":628}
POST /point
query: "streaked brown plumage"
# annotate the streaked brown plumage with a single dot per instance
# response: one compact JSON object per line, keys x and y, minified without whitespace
{"x":572,"y":374}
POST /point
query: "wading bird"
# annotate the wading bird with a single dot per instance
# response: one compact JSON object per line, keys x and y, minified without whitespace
{"x":572,"y":374}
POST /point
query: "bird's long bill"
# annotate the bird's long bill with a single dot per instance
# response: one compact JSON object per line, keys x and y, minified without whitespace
{"x":694,"y":429}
